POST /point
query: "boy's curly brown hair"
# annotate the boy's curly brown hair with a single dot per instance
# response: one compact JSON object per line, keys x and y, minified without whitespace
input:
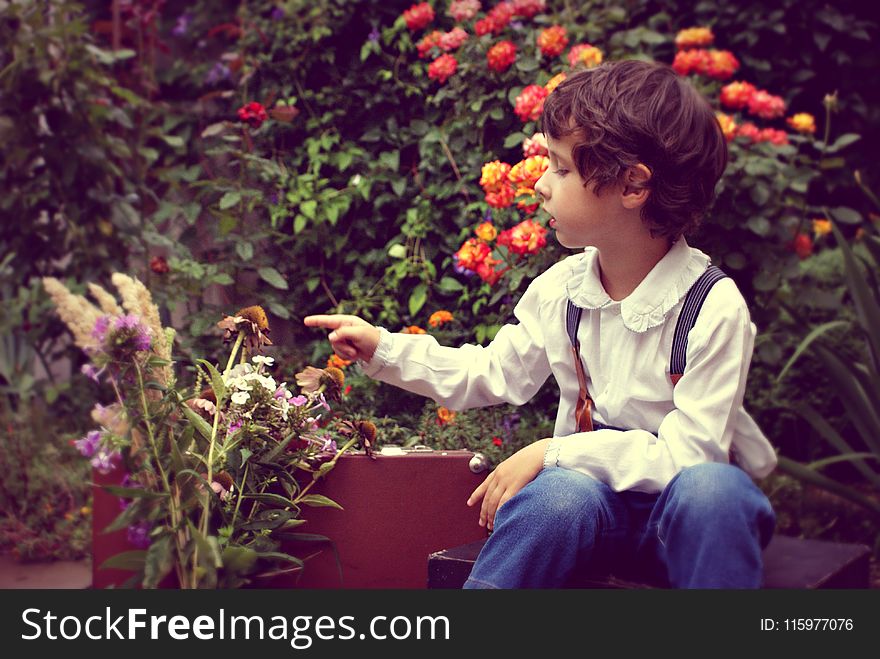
{"x":632,"y":112}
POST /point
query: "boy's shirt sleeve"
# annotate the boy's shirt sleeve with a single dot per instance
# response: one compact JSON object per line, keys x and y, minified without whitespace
{"x":511,"y":369}
{"x":708,"y":399}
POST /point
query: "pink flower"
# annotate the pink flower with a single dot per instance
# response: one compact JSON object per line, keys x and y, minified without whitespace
{"x":418,"y":16}
{"x":530,"y":103}
{"x":501,"y":55}
{"x":442,"y":67}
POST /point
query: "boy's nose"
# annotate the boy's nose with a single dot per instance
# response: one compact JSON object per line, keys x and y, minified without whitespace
{"x":541,"y":188}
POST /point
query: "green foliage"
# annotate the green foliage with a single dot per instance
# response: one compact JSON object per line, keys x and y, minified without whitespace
{"x":856,"y":382}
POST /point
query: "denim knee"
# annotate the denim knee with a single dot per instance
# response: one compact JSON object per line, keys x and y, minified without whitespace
{"x":714,"y":492}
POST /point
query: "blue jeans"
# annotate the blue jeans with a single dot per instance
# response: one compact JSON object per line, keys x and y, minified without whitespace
{"x":705,"y":530}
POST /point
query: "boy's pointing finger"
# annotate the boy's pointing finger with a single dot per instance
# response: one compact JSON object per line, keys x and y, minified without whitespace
{"x":330,"y":322}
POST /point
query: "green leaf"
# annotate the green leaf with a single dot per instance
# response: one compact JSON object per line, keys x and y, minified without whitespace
{"x":230,"y":199}
{"x":174,"y":141}
{"x":397,"y":251}
{"x":216,"y":380}
{"x":319,"y":501}
{"x":804,"y":473}
{"x":239,"y":560}
{"x":399,"y":186}
{"x":808,"y":340}
{"x":417,"y":299}
{"x":209,"y":547}
{"x":272,"y":277}
{"x":279,"y":310}
{"x":514,"y":139}
{"x":527,"y":64}
{"x":760,"y":194}
{"x":309,"y":208}
{"x":843,"y":141}
{"x":214,"y":129}
{"x":127,"y":560}
{"x":133,"y":492}
{"x":846,"y":215}
{"x":449,"y":285}
{"x":245,"y":250}
{"x":268,"y":497}
{"x":299,"y":223}
{"x":159,"y":561}
{"x":200,"y":424}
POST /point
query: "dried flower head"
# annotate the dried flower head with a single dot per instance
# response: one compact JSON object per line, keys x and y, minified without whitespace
{"x":330,"y":381}
{"x":253,"y":322}
{"x":365,"y":431}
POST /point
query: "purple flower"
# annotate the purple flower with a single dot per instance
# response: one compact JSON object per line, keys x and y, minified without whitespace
{"x":374,"y":35}
{"x":487,"y":216}
{"x":323,"y":401}
{"x":89,"y":444}
{"x":273,"y":198}
{"x":101,"y":327}
{"x":277,"y":14}
{"x":131,"y":484}
{"x":139,"y":333}
{"x":217,"y":73}
{"x":234,"y":427}
{"x":105,"y":460}
{"x":299,"y":401}
{"x":139,"y":535}
{"x":328,"y":445}
{"x":182,"y":25}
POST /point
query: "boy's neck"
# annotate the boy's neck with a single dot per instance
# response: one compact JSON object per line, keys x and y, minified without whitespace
{"x":622,"y":266}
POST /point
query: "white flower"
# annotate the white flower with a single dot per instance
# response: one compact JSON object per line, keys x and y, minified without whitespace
{"x":240,"y":397}
{"x":260,"y":359}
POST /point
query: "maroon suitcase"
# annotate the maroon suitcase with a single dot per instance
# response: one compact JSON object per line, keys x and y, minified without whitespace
{"x":398,"y":509}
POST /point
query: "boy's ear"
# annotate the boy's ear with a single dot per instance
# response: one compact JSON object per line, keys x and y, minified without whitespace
{"x":636,"y":188}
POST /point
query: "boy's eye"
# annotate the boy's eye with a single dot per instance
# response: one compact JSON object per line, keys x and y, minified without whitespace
{"x":561,"y":172}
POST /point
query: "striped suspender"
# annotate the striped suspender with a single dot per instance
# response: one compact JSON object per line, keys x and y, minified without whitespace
{"x":693,"y":302}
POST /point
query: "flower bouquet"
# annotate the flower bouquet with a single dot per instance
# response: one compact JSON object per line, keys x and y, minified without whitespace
{"x":217,"y":473}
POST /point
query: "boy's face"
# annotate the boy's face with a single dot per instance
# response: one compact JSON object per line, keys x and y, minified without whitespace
{"x":579,"y":216}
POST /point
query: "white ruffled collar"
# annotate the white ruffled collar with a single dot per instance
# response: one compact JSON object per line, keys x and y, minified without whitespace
{"x":646,"y":307}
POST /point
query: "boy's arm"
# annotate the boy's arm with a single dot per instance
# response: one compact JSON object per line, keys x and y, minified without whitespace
{"x":509,"y":370}
{"x":708,"y":400}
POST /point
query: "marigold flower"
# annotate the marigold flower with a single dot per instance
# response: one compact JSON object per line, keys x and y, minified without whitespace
{"x":442,"y":67}
{"x":486,"y":231}
{"x":494,"y":175}
{"x":765,"y":105}
{"x":528,"y":8}
{"x":413,"y":329}
{"x":501,"y":198}
{"x":439,"y":318}
{"x":585,"y":55}
{"x":530,"y":103}
{"x":728,"y":125}
{"x":453,"y":39}
{"x":802,"y":122}
{"x":525,"y":174}
{"x":736,"y":95}
{"x":821,"y":227}
{"x":444,"y":416}
{"x":554,"y":82}
{"x":536,"y":145}
{"x":501,"y":55}
{"x":802,"y":245}
{"x":527,"y":237}
{"x":472,"y":253}
{"x":552,"y":41}
{"x":463,"y":10}
{"x":428,"y":42}
{"x":337,"y":361}
{"x":694,"y":37}
{"x":418,"y":16}
{"x":253,"y":113}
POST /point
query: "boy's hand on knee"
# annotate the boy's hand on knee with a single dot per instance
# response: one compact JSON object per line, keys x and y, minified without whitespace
{"x":507,"y":479}
{"x":351,"y":338}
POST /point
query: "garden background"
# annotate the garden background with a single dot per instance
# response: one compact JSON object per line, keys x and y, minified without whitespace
{"x":346,"y":156}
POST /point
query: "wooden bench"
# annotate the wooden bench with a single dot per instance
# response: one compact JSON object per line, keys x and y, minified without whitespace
{"x":788,"y":563}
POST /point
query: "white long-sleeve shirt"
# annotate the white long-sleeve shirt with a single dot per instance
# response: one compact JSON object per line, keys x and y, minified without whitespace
{"x":625,"y":348}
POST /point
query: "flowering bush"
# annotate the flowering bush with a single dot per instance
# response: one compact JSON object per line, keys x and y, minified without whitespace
{"x":216,"y":473}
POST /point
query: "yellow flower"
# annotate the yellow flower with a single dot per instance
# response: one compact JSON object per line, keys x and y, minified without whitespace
{"x":525,"y":174}
{"x":821,"y":227}
{"x":486,"y":231}
{"x":694,"y":37}
{"x":438,"y":318}
{"x":494,"y":175}
{"x":803,"y":122}
{"x":555,"y":81}
{"x":445,"y":416}
{"x":585,"y":55}
{"x":728,"y":125}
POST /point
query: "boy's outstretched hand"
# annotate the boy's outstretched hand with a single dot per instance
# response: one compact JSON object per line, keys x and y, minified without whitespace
{"x":508,"y":478}
{"x":351,"y":338}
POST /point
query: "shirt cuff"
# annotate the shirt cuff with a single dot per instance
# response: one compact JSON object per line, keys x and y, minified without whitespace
{"x":551,"y":455}
{"x":381,"y":356}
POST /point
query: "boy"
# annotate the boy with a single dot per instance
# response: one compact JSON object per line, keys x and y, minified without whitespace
{"x":638,"y":469}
